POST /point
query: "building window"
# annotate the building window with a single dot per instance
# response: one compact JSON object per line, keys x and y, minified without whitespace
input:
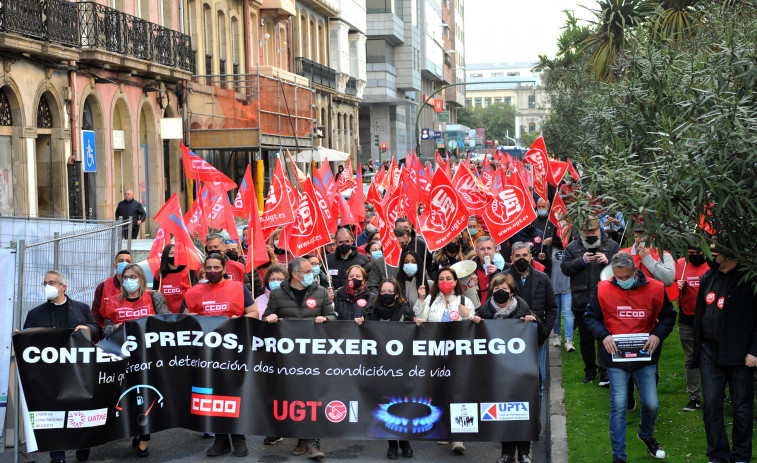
{"x":498,"y":74}
{"x":378,"y":6}
{"x":532,"y":101}
{"x":476,"y":74}
{"x":498,"y":100}
{"x":513,"y":74}
{"x":487,"y":102}
{"x":353,"y":58}
{"x":531,"y":127}
{"x":509,"y":100}
{"x":478,"y":102}
{"x":235,"y":38}
{"x":468,"y":102}
{"x":375,"y":51}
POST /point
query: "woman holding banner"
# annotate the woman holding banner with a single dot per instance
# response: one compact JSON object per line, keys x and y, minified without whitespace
{"x":132,"y":303}
{"x":389,"y":305}
{"x":445,"y":303}
{"x":504,"y":304}
{"x":352,"y":299}
{"x":173,"y":281}
{"x":409,"y":278}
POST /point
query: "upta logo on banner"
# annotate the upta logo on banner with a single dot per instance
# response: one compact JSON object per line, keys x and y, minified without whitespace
{"x":505,"y":411}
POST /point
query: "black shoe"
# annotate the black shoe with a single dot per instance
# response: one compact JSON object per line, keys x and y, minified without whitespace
{"x":617,"y":459}
{"x":208,"y":435}
{"x":135,"y":442}
{"x":272,"y":440}
{"x":588,"y":378}
{"x":604,"y":382}
{"x":506,"y":459}
{"x":240,"y":446}
{"x":631,"y":405}
{"x":407,"y":451}
{"x":524,"y":459}
{"x":392,"y":453}
{"x":82,"y":454}
{"x":143,"y":453}
{"x":693,"y":405}
{"x":653,"y":447}
{"x":220,"y":446}
{"x":57,"y":460}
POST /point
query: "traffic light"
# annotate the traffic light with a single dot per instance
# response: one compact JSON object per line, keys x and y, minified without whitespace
{"x":383,"y":147}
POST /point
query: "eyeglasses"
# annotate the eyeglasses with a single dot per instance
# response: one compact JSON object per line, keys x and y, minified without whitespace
{"x":50,"y":283}
{"x":131,"y":277}
{"x":306,"y":273}
{"x":230,"y":241}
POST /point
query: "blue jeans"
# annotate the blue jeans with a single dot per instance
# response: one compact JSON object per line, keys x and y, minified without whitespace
{"x":563,"y":305}
{"x":740,"y":379}
{"x":644,"y":378}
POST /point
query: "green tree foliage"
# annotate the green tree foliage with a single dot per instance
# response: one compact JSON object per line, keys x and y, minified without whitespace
{"x":528,"y":139}
{"x":497,"y":118}
{"x":674,"y":133}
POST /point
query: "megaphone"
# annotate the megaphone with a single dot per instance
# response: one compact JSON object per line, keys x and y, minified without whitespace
{"x":465,"y":269}
{"x":606,"y":273}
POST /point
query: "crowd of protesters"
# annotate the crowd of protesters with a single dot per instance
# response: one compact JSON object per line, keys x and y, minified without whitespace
{"x":597,"y":284}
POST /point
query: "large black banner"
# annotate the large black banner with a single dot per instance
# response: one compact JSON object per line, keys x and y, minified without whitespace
{"x":439,"y":381}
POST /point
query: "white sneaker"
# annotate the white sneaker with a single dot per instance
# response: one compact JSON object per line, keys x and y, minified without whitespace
{"x":458,"y":447}
{"x":569,"y":346}
{"x":555,"y":341}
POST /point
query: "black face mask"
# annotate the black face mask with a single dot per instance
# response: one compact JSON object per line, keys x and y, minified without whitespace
{"x":696,"y":259}
{"x":501,"y":296}
{"x":521,"y":264}
{"x":405,"y":248}
{"x":713,"y":264}
{"x":170,"y":261}
{"x":356,"y":283}
{"x":453,"y":248}
{"x":344,"y":248}
{"x":278,"y":251}
{"x":233,"y":255}
{"x":387,"y":299}
{"x":592,"y":239}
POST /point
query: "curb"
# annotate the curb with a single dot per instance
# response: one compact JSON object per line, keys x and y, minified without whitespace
{"x":558,"y":442}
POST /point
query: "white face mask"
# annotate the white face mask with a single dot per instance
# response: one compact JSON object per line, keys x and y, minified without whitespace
{"x":51,"y":292}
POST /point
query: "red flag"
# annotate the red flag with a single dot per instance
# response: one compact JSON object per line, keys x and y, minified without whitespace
{"x":220,"y":215}
{"x":156,"y":251}
{"x":278,"y":206}
{"x":374,"y":195}
{"x":537,"y":157}
{"x":409,"y":205}
{"x":170,"y":217}
{"x":257,"y":254}
{"x":446,"y":216}
{"x":438,"y":158}
{"x":386,"y":181}
{"x":245,"y":196}
{"x":332,"y":220}
{"x":357,"y":199}
{"x":325,"y":180}
{"x":487,"y":176}
{"x":197,"y":168}
{"x":392,"y":207}
{"x":345,"y":181}
{"x":558,"y":215}
{"x":389,"y":245}
{"x":424,"y":184}
{"x":309,"y":231}
{"x":471,"y":191}
{"x":558,"y":169}
{"x":573,"y":171}
{"x":511,"y":210}
{"x":379,"y":177}
{"x":345,"y":214}
{"x":195,"y":220}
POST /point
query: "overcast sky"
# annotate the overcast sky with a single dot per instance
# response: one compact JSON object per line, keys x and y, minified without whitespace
{"x":498,"y":31}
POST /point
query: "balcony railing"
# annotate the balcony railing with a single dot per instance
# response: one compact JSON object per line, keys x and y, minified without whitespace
{"x":318,"y":73}
{"x":118,"y":32}
{"x":351,"y":88}
{"x":49,"y":20}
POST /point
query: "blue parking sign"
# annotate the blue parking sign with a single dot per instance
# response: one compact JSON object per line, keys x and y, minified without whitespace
{"x":89,"y":153}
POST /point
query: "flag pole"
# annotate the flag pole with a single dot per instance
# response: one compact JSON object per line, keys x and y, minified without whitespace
{"x":325,"y":264}
{"x":386,"y":269}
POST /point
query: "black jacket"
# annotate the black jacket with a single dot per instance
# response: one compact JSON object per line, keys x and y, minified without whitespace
{"x":78,"y":314}
{"x":133,"y":209}
{"x":547,"y":229}
{"x":738,"y":326}
{"x":540,"y":298}
{"x":400,"y":312}
{"x":338,"y":266}
{"x":350,"y":308}
{"x":585,"y":277}
{"x":521,"y":310}
{"x":595,"y":321}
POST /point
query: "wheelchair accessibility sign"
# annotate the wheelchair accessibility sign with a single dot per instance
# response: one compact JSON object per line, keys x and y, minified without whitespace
{"x":89,"y":154}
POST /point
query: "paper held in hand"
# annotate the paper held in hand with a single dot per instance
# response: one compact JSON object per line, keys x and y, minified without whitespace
{"x":630,"y":348}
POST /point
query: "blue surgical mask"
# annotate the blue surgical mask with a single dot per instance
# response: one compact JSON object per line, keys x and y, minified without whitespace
{"x":499,"y":261}
{"x":204,"y":281}
{"x":120,"y":267}
{"x":541,"y":212}
{"x":131,"y":285}
{"x":274,"y":284}
{"x":473,"y":231}
{"x":410,"y":269}
{"x":627,"y":284}
{"x":316,"y":269}
{"x":377,"y":255}
{"x":308,"y":279}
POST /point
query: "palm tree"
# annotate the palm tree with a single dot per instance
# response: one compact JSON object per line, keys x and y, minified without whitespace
{"x":615,"y":20}
{"x":677,"y":19}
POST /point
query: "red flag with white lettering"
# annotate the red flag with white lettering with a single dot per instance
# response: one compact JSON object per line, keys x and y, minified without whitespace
{"x":511,"y":211}
{"x":195,"y":220}
{"x":242,"y":204}
{"x":156,"y":250}
{"x":558,"y":215}
{"x":392,"y":206}
{"x":309,"y":231}
{"x":445,"y":216}
{"x":389,"y":245}
{"x":332,"y":220}
{"x":357,"y":199}
{"x":346,"y":180}
{"x":257,"y":254}
{"x":471,"y":191}
{"x":537,"y":157}
{"x":170,"y":217}
{"x":196,"y":168}
{"x":278,"y":206}
{"x":424,"y":184}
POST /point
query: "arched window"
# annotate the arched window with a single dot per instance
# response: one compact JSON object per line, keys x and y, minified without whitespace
{"x":222,"y":52}
{"x":353,"y":58}
{"x":334,"y":47}
{"x":235,"y":38}
{"x":531,"y":127}
{"x":6,"y":116}
{"x":269,"y":44}
{"x":313,"y":53}
{"x":44,"y":116}
{"x":255,"y":52}
{"x":207,"y":31}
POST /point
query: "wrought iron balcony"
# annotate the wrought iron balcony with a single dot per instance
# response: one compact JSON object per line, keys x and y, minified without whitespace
{"x":48,"y":20}
{"x":118,"y":32}
{"x":316,"y":72}
{"x":351,"y":88}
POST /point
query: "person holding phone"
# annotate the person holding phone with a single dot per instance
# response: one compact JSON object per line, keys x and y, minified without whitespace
{"x":485,"y":266}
